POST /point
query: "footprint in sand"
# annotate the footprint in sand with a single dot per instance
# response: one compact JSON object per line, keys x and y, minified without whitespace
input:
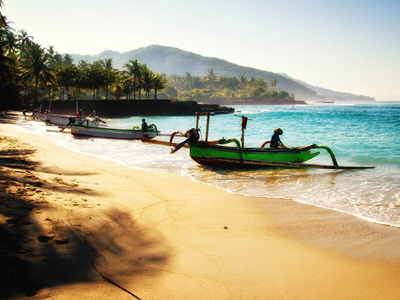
{"x":62,"y":242}
{"x":44,"y":238}
{"x":61,"y":181}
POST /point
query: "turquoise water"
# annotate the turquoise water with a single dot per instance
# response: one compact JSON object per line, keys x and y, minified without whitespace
{"x":359,"y":135}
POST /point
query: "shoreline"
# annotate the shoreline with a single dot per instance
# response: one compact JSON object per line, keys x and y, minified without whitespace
{"x":153,"y":232}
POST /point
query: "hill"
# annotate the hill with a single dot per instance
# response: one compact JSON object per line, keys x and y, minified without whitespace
{"x":170,"y":60}
{"x":330,"y":95}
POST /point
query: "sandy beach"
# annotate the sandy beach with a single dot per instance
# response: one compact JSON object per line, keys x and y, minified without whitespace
{"x":74,"y":226}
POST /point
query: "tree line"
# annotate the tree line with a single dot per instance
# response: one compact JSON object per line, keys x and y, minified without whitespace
{"x":29,"y":72}
{"x":214,"y":87}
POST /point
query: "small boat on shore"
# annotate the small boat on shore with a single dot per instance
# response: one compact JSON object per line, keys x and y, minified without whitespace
{"x":63,"y":121}
{"x":113,"y":133}
{"x":220,"y":154}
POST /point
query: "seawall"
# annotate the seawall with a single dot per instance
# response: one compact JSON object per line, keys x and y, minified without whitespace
{"x":126,"y":108}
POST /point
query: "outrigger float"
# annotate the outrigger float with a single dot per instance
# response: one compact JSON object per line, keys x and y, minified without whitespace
{"x":215,"y":153}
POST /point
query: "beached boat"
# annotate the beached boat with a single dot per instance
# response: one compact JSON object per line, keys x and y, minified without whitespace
{"x":220,"y":153}
{"x":63,"y":120}
{"x":113,"y":133}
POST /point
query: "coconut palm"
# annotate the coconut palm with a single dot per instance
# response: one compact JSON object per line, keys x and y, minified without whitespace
{"x":147,"y":79}
{"x":133,"y":73}
{"x":127,"y":88}
{"x":211,"y":77}
{"x":242,"y":80}
{"x":117,"y":92}
{"x":159,"y":83}
{"x":273,"y":84}
{"x":8,"y":38}
{"x":2,"y":18}
{"x":109,"y":79}
{"x":35,"y":64}
{"x":110,"y":74}
{"x":24,"y":39}
{"x":67,"y":60}
{"x":108,"y":64}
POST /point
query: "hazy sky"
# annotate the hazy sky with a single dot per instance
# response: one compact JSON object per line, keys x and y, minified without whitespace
{"x":344,"y":45}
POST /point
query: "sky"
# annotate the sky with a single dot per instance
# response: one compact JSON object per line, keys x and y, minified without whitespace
{"x":344,"y":45}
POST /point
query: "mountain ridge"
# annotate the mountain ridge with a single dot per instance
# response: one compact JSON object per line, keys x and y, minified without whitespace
{"x":171,"y":60}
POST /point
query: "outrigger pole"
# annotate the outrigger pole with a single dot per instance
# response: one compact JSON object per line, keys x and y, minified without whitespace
{"x":273,"y":164}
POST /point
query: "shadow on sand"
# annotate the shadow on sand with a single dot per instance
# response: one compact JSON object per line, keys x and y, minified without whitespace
{"x":35,"y":256}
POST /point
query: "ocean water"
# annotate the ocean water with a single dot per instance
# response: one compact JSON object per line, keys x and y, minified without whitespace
{"x":358,"y":134}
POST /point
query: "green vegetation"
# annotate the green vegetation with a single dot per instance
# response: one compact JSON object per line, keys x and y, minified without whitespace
{"x":29,"y":72}
{"x":212,"y":87}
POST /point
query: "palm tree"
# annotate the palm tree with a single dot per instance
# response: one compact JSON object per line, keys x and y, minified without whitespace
{"x":211,"y":77}
{"x":159,"y":83}
{"x":242,"y":80}
{"x":188,"y":81}
{"x":9,"y":94}
{"x":273,"y":84}
{"x":24,"y":40}
{"x":108,"y":64}
{"x":2,"y":19}
{"x":127,"y":88}
{"x":147,"y":79}
{"x":35,"y":64}
{"x":109,"y":79}
{"x":117,"y":92}
{"x":9,"y":39}
{"x":67,"y":60}
{"x":133,"y":73}
{"x":110,"y":74}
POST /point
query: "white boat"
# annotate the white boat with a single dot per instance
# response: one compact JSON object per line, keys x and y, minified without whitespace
{"x":63,"y":120}
{"x":113,"y":133}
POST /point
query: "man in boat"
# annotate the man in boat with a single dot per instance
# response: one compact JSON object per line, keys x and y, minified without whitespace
{"x":275,"y":139}
{"x":145,"y":128}
{"x":80,"y":116}
{"x":192,"y":135}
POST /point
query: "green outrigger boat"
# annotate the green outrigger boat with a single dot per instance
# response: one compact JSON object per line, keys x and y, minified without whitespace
{"x":218,"y":153}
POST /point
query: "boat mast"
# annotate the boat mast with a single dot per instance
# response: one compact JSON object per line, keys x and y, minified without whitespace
{"x":207,"y":113}
{"x":208,"y":124}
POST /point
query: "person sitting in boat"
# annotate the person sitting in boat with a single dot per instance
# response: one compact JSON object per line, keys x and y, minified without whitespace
{"x":192,"y":135}
{"x":275,"y":139}
{"x":71,"y":120}
{"x":145,"y":127}
{"x":80,"y":116}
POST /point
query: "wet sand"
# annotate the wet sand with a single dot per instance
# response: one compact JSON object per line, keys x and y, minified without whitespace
{"x":77,"y":227}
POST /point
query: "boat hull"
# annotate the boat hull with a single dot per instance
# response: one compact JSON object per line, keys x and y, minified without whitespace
{"x":60,"y":120}
{"x":217,"y":155}
{"x":110,"y":133}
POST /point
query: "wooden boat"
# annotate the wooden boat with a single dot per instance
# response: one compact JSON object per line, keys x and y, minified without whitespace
{"x":113,"y":133}
{"x":219,"y":153}
{"x":63,"y":120}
